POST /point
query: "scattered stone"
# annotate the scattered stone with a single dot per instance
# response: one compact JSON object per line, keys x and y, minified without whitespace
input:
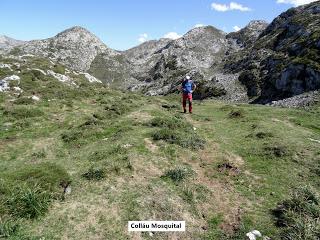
{"x":253,"y":235}
{"x":314,"y":140}
{"x":35,"y":98}
{"x":4,"y":65}
{"x":18,"y":89}
{"x":4,"y":85}
{"x":128,"y":145}
{"x":91,"y":78}
{"x":40,"y":70}
{"x":67,"y":190}
{"x":300,"y":101}
{"x":61,"y":77}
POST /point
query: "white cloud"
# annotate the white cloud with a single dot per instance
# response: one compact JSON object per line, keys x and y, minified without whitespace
{"x":236,"y":28}
{"x":172,"y":35}
{"x":296,"y":2}
{"x":219,"y":7}
{"x":237,"y":6}
{"x":143,"y":37}
{"x":230,"y":7}
{"x":199,"y":25}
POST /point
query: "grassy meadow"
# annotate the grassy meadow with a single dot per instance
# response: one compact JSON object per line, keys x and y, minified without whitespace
{"x":82,"y":162}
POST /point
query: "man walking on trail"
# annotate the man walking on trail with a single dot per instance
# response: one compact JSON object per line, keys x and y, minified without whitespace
{"x":187,"y":89}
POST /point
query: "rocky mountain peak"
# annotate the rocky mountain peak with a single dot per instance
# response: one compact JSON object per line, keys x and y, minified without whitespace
{"x":75,"y":47}
{"x":76,"y":30}
{"x":203,"y":32}
{"x":7,"y":42}
{"x":249,"y":34}
{"x":257,"y":25}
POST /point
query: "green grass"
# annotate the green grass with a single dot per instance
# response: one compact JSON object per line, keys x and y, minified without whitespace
{"x":131,"y":157}
{"x":94,"y":174}
{"x":299,"y":215}
{"x":179,"y":174}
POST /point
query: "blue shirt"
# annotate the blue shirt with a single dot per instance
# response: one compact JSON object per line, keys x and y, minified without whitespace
{"x":187,"y":86}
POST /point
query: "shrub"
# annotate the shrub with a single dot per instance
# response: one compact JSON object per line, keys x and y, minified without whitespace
{"x":23,"y":112}
{"x":183,"y":139}
{"x":47,"y":176}
{"x":299,"y":216}
{"x":277,"y":151}
{"x":23,"y":101}
{"x":118,"y":108}
{"x":59,"y":69}
{"x":171,"y":123}
{"x":262,"y":135}
{"x":28,"y":202}
{"x":94,"y":174}
{"x":236,"y":114}
{"x":39,"y":154}
{"x":72,"y":136}
{"x":178,"y":174}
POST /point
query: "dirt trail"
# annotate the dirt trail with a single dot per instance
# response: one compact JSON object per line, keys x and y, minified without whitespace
{"x":224,"y":198}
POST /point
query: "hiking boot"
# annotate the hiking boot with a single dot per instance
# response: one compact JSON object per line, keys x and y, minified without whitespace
{"x":184,"y":111}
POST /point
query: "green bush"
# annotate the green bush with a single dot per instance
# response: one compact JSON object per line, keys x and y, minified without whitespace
{"x":94,"y":174}
{"x":58,"y":68}
{"x":28,"y":202}
{"x":118,"y":108}
{"x":183,"y":139}
{"x":179,"y":174}
{"x":48,"y":176}
{"x":172,"y":123}
{"x":22,"y":112}
{"x":23,"y":101}
{"x":236,"y":114}
{"x":72,"y":136}
{"x":39,"y":154}
{"x":299,"y":216}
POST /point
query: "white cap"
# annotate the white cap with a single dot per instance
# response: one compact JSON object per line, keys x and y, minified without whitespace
{"x":188,"y":77}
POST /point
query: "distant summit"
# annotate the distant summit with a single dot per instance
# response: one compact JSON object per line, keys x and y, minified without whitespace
{"x":8,"y":43}
{"x":75,"y":47}
{"x":249,"y":34}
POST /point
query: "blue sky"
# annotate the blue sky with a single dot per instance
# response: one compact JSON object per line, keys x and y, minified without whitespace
{"x":122,"y":24}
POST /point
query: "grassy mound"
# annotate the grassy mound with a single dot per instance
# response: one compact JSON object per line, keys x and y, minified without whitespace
{"x":299,"y":216}
{"x":176,"y":130}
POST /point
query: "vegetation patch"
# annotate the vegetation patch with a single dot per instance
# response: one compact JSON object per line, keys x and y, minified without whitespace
{"x":299,"y":216}
{"x":179,"y":174}
{"x":23,"y":101}
{"x":276,"y":151}
{"x":23,"y":112}
{"x":95,"y":174}
{"x":176,"y":130}
{"x":8,"y":228}
{"x":48,"y":176}
{"x":186,"y":140}
{"x":28,"y":202}
{"x":236,"y":114}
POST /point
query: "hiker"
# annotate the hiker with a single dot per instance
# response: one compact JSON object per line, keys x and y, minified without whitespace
{"x":187,"y":88}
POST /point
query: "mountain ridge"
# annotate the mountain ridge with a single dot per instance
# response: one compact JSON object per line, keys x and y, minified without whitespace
{"x":238,"y":66}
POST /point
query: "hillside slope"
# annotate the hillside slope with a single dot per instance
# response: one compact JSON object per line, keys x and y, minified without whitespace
{"x":92,"y":159}
{"x":284,"y":61}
